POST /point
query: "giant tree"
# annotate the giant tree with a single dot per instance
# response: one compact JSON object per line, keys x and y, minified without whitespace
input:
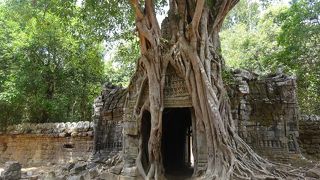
{"x":189,"y":40}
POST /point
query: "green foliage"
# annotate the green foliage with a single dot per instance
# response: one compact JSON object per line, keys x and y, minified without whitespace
{"x":253,"y":49}
{"x":286,"y":37}
{"x":51,"y":55}
{"x":120,"y":68}
{"x":245,"y":12}
{"x":300,"y":39}
{"x":51,"y":68}
{"x":110,"y":20}
{"x":113,"y":21}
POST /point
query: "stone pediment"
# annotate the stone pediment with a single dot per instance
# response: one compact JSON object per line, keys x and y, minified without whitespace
{"x":175,"y":91}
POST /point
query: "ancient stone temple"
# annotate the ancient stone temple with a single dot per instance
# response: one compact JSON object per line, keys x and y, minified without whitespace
{"x":267,"y":113}
{"x":264,"y":109}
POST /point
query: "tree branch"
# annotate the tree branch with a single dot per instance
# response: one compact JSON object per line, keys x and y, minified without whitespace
{"x":137,"y":8}
{"x":151,"y":14}
{"x":145,"y":32}
{"x":197,"y":14}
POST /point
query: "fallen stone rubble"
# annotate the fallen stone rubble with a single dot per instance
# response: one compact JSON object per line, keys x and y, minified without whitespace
{"x":94,"y":169}
{"x":106,"y":169}
{"x":12,"y":171}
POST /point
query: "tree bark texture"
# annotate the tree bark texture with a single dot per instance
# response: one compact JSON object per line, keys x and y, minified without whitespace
{"x":189,"y":41}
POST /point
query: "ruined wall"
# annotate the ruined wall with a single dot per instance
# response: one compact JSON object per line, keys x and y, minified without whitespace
{"x":39,"y":144}
{"x":309,"y":135}
{"x":266,"y":113}
{"x":34,"y":150}
{"x":108,"y":115}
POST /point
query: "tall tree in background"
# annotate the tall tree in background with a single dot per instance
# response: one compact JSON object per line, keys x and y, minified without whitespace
{"x":121,"y":66}
{"x":283,"y":36}
{"x":245,"y":12}
{"x":300,"y":39}
{"x":51,"y":63}
{"x":253,"y":49}
{"x":189,"y":41}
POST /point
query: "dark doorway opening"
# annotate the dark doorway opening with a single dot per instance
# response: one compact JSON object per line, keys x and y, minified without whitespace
{"x":145,"y":130}
{"x":177,"y":143}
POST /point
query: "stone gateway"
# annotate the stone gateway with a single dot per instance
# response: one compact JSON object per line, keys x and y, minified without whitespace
{"x":264,"y":109}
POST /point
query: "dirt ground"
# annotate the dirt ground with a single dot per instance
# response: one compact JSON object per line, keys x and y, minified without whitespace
{"x":302,"y":164}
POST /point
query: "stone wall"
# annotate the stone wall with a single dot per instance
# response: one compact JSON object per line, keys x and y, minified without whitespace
{"x":74,"y":129}
{"x":309,"y":135}
{"x":108,"y":114}
{"x":39,"y":144}
{"x":266,"y":113}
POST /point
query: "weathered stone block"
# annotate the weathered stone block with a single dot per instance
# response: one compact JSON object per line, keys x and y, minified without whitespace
{"x":93,"y":173}
{"x":79,"y":177}
{"x":78,"y":168}
{"x":108,"y":176}
{"x":51,"y":176}
{"x":130,"y":171}
{"x":116,"y":169}
{"x":130,"y":128}
{"x":69,"y":166}
{"x":12,"y":171}
{"x":314,"y":173}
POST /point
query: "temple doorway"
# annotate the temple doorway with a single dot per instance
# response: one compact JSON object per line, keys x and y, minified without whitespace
{"x":145,"y":130}
{"x":177,"y":142}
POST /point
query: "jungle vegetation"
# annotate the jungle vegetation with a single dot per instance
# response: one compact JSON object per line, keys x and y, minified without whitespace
{"x":55,"y":55}
{"x":52,"y":64}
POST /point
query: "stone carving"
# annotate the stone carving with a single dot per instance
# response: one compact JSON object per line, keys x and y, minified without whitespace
{"x":175,"y":91}
{"x":108,"y":116}
{"x":265,"y":112}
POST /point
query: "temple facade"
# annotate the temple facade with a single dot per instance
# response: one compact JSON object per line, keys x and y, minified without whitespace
{"x":265,"y":112}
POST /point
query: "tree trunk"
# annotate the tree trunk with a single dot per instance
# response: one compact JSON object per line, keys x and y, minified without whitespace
{"x":189,"y":41}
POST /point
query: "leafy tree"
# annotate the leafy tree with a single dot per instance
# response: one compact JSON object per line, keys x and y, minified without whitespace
{"x":10,"y":97}
{"x":246,"y":12}
{"x":286,"y":37}
{"x":113,"y":21}
{"x":122,"y":65}
{"x":254,"y":49}
{"x":188,"y":40}
{"x":109,"y":20}
{"x":300,"y":39}
{"x":52,"y":64}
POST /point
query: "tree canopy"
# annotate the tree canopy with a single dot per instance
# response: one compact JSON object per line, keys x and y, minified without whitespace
{"x":47,"y":47}
{"x":282,"y":37}
{"x":51,"y":64}
{"x":261,"y":36}
{"x":300,"y":40}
